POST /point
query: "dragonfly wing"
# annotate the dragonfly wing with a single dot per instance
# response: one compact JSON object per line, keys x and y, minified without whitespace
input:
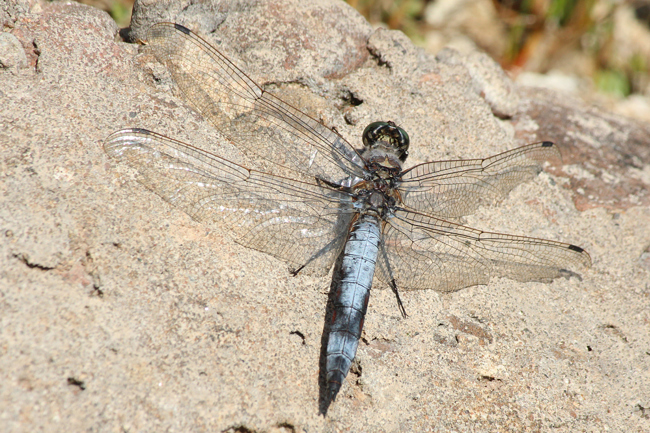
{"x":301,"y":223}
{"x":449,"y":189}
{"x":258,"y":122}
{"x":423,"y":252}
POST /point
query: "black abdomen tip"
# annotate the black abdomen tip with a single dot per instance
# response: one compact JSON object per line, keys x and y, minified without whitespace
{"x":180,"y":28}
{"x":547,"y":144}
{"x":576,"y":248}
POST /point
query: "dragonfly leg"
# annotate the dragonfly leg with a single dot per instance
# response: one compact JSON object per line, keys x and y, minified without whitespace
{"x":402,"y":310}
{"x":335,"y":186}
{"x":294,"y":272}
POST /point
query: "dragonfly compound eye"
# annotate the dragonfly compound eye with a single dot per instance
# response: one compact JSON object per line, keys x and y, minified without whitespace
{"x":387,"y":132}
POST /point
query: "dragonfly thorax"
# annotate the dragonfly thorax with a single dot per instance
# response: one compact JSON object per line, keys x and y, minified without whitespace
{"x":382,"y":162}
{"x":374,"y":197}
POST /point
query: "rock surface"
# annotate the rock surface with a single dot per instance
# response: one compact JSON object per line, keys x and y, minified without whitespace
{"x":120,"y":313}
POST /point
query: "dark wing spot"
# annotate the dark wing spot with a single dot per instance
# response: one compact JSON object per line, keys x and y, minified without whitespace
{"x":575,"y":248}
{"x":547,"y":144}
{"x":180,"y":28}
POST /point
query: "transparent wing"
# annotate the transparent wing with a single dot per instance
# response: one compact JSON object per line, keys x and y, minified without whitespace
{"x":422,"y":252}
{"x":301,"y":223}
{"x":449,"y":189}
{"x":255,"y":120}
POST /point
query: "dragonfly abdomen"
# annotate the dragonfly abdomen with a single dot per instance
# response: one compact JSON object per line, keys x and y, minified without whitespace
{"x":351,"y":303}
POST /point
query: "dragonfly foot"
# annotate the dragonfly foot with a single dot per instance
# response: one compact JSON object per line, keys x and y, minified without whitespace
{"x":294,"y":272}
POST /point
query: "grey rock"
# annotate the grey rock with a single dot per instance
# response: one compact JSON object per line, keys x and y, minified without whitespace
{"x":120,"y":313}
{"x":12,"y":54}
{"x":605,"y":155}
{"x":489,"y":81}
{"x":323,"y":37}
{"x":12,"y":10}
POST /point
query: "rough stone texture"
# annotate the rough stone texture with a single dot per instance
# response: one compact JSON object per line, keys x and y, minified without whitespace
{"x":119,"y":313}
{"x":489,"y":80}
{"x":12,"y":54}
{"x":606,"y":155}
{"x":327,"y":38}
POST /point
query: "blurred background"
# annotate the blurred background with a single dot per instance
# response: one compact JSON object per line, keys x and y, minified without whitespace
{"x":598,"y":50}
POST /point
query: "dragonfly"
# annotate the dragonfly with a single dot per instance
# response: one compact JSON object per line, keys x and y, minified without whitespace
{"x":323,"y":198}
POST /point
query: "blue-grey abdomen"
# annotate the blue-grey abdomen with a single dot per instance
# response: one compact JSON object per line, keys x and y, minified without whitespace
{"x":351,"y":302}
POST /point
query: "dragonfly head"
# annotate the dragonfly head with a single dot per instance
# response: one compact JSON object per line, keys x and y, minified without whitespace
{"x":386,"y":137}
